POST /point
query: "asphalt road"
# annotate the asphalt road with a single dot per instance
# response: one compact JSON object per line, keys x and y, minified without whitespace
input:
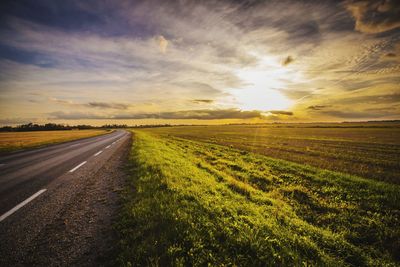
{"x":37,"y":185}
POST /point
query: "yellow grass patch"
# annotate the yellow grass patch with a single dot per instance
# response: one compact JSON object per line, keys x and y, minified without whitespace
{"x":18,"y":140}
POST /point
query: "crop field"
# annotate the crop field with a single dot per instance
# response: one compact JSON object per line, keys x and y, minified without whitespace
{"x":10,"y":141}
{"x":207,"y":195}
{"x":371,"y":152}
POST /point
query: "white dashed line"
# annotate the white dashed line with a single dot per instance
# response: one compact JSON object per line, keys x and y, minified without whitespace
{"x":107,"y":147}
{"x":74,"y":145}
{"x":80,"y":165}
{"x":20,"y":205}
{"x":98,"y":153}
{"x":2,"y":164}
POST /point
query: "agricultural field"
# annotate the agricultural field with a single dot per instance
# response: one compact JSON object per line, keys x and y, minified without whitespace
{"x":368,"y":150}
{"x":11,"y":141}
{"x":200,"y":196}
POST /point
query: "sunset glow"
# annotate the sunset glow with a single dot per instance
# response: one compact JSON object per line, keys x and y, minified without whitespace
{"x":261,"y":85}
{"x":152,"y":62}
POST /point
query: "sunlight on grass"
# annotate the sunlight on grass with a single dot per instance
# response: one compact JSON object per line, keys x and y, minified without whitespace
{"x":197,"y":203}
{"x":368,"y":151}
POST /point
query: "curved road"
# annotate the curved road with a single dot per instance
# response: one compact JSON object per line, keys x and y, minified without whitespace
{"x":37,"y":186}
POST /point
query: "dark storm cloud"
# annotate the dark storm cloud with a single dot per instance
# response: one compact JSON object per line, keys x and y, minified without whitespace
{"x":375,"y":16}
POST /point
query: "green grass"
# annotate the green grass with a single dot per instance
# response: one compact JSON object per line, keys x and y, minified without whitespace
{"x":371,"y":151}
{"x":197,"y":203}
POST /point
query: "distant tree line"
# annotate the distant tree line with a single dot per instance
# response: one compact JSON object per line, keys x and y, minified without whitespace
{"x":56,"y":127}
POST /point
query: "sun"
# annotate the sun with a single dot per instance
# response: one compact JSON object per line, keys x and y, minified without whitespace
{"x":262,"y":99}
{"x":261,"y":84}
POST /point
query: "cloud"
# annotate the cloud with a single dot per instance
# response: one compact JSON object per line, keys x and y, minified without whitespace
{"x":162,"y":43}
{"x":287,"y":60}
{"x":14,"y":121}
{"x":390,"y":55}
{"x":202,"y":101}
{"x":60,"y":101}
{"x":281,"y":112}
{"x":105,"y":105}
{"x":124,"y":57}
{"x":295,"y":93}
{"x":317,"y":107}
{"x":375,"y":16}
{"x":74,"y":116}
{"x":357,"y":114}
{"x":204,"y":114}
{"x":369,"y":99}
{"x":393,"y":54}
{"x":93,"y":104}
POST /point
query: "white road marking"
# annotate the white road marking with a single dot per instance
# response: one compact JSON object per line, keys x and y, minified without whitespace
{"x":2,"y":164}
{"x":20,"y":205}
{"x":107,"y":147}
{"x":80,"y":165}
{"x":74,"y":145}
{"x":113,"y":142}
{"x":98,"y":153}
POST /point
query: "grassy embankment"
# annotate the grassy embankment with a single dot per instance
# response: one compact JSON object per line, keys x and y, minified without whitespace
{"x":196,"y":203}
{"x":11,"y":141}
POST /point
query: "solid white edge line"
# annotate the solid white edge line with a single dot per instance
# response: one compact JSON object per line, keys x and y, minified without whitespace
{"x":74,"y":169}
{"x":20,"y":205}
{"x":107,"y":147}
{"x":98,"y":153}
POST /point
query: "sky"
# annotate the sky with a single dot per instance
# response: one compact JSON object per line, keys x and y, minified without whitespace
{"x":198,"y":62}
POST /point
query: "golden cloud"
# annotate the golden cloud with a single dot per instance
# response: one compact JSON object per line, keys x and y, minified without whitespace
{"x":375,"y":16}
{"x":287,"y":60}
{"x":162,"y":43}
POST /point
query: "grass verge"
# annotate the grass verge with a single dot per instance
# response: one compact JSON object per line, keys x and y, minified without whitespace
{"x":201,"y":204}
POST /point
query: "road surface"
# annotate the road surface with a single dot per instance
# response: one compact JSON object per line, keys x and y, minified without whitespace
{"x":56,"y":200}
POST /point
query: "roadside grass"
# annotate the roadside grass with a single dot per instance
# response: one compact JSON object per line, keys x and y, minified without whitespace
{"x":194,"y":203}
{"x":366,"y":150}
{"x":11,"y":141}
